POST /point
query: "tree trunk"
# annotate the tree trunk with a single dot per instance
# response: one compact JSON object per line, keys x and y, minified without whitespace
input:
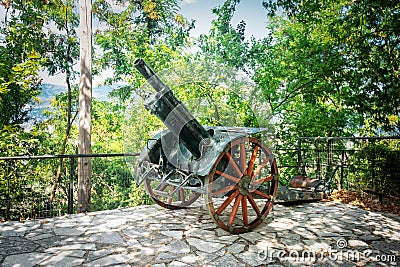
{"x":70,"y":119}
{"x":85,"y":106}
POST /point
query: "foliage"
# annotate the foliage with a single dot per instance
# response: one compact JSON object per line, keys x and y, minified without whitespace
{"x":339,"y":54}
{"x":19,"y":86}
{"x":294,"y":80}
{"x":326,"y":68}
{"x":224,"y":44}
{"x":62,"y":41}
{"x":380,"y":159}
{"x":32,"y":39}
{"x":113,"y":185}
{"x":18,"y":178}
{"x":56,"y":123}
{"x":226,"y":48}
{"x":15,"y":141}
{"x":112,"y":182}
{"x":153,"y":30}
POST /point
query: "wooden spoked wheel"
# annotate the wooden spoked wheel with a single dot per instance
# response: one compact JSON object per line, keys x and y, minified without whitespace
{"x":242,"y":185}
{"x":166,"y":195}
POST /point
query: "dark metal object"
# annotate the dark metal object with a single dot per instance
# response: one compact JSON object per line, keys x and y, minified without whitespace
{"x":302,"y":188}
{"x":234,"y":170}
{"x":172,"y":112}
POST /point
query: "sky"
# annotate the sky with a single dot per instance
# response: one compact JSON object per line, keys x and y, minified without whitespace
{"x":251,"y":11}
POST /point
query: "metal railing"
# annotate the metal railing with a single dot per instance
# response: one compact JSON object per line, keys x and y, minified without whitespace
{"x":362,"y":163}
{"x":43,"y":186}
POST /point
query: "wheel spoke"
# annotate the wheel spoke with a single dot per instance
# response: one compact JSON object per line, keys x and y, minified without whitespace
{"x":182,"y":195}
{"x":235,"y":209}
{"x":227,"y":176}
{"x":170,"y":198}
{"x":259,"y":168}
{"x":252,"y":160}
{"x":224,"y":190}
{"x":243,"y":158}
{"x":227,"y":202}
{"x":254,"y":205}
{"x":162,"y":186}
{"x":262,"y":194}
{"x":245,"y":164}
{"x":233,"y":164}
{"x":244,"y":211}
{"x":260,"y":181}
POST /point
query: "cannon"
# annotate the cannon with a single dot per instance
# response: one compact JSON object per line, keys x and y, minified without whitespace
{"x":235,"y":171}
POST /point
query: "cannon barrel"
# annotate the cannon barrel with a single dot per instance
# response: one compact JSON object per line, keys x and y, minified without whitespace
{"x":172,"y":112}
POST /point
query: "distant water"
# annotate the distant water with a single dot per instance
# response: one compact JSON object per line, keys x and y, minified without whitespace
{"x":50,"y":90}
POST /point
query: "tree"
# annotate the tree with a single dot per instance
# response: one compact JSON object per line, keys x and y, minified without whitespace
{"x":151,"y":29}
{"x":37,"y":35}
{"x":296,"y":81}
{"x":225,"y":44}
{"x":62,"y":55}
{"x":85,"y":107}
{"x":20,"y":59}
{"x":19,"y":178}
{"x":344,"y":53}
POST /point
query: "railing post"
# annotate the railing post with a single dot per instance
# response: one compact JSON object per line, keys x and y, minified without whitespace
{"x":71,"y":186}
{"x":8,"y":200}
{"x":342,"y":170}
{"x":298,"y":156}
{"x":373,"y":167}
{"x":330,"y":156}
{"x":318,"y":163}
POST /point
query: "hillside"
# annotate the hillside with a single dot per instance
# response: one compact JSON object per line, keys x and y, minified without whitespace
{"x":50,"y":90}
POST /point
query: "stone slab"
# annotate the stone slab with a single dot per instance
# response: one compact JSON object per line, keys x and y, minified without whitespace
{"x":153,"y":236}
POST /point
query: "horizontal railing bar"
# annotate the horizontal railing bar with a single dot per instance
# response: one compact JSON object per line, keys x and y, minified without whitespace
{"x":351,"y":138}
{"x":22,"y":157}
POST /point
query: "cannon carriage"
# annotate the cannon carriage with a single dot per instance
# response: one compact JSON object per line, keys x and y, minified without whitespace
{"x":234,"y":170}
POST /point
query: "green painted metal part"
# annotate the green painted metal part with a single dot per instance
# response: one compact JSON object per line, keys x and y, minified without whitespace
{"x":189,"y":147}
{"x":179,"y":157}
{"x":173,"y":113}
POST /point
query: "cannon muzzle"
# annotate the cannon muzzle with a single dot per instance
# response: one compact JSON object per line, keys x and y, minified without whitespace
{"x":172,"y":112}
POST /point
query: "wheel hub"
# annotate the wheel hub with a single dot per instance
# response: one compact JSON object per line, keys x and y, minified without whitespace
{"x":244,"y":185}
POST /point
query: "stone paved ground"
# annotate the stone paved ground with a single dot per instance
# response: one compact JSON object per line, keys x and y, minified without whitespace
{"x":322,"y":234}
